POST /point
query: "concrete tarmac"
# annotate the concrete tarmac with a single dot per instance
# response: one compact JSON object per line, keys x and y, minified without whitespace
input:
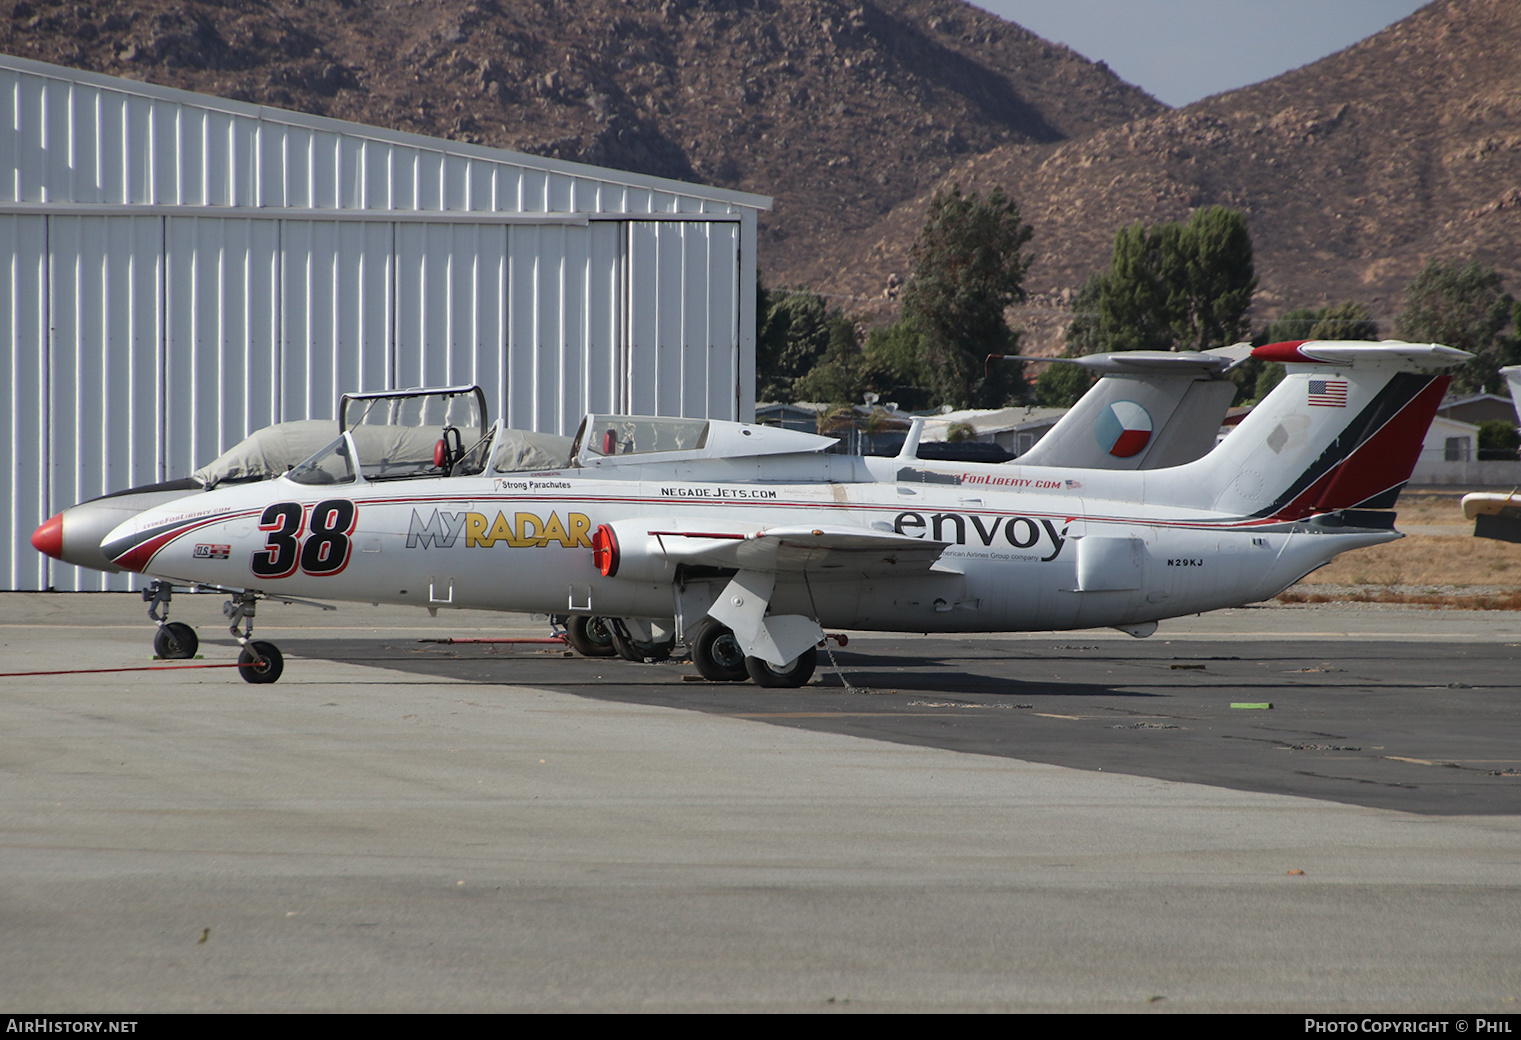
{"x":367,"y":838}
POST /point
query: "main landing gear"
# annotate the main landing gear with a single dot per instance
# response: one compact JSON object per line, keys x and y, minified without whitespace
{"x":794,"y":674}
{"x":716,"y":651}
{"x":718,"y":655}
{"x":258,"y":662}
{"x":636,"y":640}
{"x":629,"y":638}
{"x":590,"y":636}
{"x":719,"y":658}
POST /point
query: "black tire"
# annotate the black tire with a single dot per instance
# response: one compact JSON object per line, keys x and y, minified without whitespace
{"x":590,"y":636}
{"x":718,"y":655}
{"x":631,"y":649}
{"x":260,"y":663}
{"x":789,"y":678}
{"x":175,"y":641}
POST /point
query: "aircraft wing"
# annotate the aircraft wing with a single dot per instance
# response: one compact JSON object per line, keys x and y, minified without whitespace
{"x":1495,"y":515}
{"x":783,"y":549}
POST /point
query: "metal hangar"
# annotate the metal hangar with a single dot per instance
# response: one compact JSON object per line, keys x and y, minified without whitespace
{"x":181,"y":270}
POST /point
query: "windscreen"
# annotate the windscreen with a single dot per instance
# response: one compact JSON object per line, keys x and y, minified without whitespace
{"x":464,"y":409}
{"x":397,"y":433}
{"x":641,"y":434}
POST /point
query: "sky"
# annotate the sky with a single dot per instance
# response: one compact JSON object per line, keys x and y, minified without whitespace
{"x":1183,"y":50}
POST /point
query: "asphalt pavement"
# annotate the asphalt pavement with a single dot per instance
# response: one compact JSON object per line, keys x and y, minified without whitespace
{"x":1078,"y":821}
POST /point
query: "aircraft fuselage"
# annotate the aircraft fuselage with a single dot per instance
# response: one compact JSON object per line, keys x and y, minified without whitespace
{"x":1028,"y":559}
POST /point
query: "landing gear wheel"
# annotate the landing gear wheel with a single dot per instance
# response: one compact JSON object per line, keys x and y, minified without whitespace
{"x":790,"y":678}
{"x":260,"y":663}
{"x":631,"y":649}
{"x":718,"y":655}
{"x":590,"y":636}
{"x":175,"y":641}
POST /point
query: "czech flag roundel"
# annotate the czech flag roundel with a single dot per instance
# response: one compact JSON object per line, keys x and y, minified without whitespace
{"x":1123,"y":429}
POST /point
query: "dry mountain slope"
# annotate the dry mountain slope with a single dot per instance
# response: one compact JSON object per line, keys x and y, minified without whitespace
{"x":840,"y":109}
{"x":1353,"y":172}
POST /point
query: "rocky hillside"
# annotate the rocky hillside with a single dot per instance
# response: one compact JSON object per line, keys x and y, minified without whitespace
{"x":839,"y":109}
{"x":1353,"y":172}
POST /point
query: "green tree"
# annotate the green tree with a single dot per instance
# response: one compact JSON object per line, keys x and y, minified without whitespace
{"x":1171,"y":286}
{"x":968,"y":269}
{"x":1498,"y":439}
{"x":1139,"y":297}
{"x":846,"y":371}
{"x":1463,"y":306}
{"x":794,"y":331}
{"x":1218,"y":273}
{"x":1290,"y":325}
{"x":1348,"y":320}
{"x":1059,"y":386}
{"x":1083,"y":336}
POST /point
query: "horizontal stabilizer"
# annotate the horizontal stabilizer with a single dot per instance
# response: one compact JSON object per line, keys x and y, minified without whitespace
{"x":1409,"y":357}
{"x":1148,"y":361}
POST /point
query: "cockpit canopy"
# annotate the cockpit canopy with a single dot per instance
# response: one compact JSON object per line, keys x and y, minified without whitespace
{"x":618,"y":440}
{"x":397,"y":434}
{"x":641,"y":434}
{"x":430,"y":433}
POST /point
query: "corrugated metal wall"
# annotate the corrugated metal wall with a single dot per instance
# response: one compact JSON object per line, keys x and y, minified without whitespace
{"x":184,"y":270}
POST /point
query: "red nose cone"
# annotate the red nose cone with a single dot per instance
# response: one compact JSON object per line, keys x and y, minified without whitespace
{"x":49,"y":538}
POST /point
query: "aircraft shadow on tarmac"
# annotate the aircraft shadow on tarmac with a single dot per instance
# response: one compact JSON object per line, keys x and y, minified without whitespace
{"x":1346,"y":721}
{"x":613,"y":679}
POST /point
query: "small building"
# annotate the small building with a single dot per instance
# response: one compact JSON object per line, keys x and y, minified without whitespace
{"x":1450,"y":456}
{"x":1016,"y":430}
{"x":1478,"y":408}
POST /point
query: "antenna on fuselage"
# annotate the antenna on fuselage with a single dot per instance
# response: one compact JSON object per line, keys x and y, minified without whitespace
{"x":910,"y":448}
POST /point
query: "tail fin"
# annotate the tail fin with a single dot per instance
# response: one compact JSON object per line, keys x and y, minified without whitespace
{"x":1343,"y":430}
{"x":1512,"y":376}
{"x":1149,"y":410}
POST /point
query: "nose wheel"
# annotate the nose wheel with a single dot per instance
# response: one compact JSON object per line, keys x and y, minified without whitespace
{"x":174,"y":640}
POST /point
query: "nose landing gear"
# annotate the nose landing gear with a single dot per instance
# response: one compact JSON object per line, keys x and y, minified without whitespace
{"x":174,"y":640}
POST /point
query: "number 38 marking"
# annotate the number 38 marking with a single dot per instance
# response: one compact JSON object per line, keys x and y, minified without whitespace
{"x":325,"y":549}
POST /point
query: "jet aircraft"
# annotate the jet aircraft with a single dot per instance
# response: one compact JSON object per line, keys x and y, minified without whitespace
{"x":746,"y":541}
{"x":1182,"y":399}
{"x":1172,"y":405}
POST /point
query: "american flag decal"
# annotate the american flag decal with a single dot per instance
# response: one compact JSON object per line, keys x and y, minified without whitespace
{"x":1328,"y":393}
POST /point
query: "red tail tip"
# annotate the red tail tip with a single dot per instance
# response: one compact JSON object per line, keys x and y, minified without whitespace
{"x":48,"y":538}
{"x":1287,"y":351}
